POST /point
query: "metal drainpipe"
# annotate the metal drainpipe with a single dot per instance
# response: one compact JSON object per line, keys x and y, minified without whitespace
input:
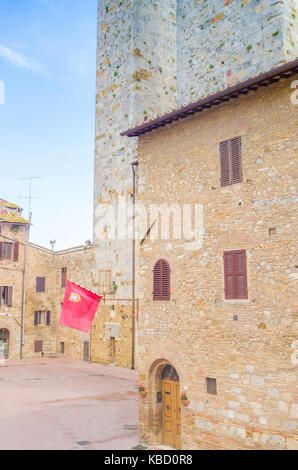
{"x":134,"y":166}
{"x":24,"y":279}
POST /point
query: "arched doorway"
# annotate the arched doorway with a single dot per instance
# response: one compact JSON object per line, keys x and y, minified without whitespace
{"x":171,"y":407}
{"x":4,"y":343}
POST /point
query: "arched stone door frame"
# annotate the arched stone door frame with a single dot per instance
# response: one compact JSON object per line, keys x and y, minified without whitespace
{"x":155,"y":403}
{"x":4,"y":340}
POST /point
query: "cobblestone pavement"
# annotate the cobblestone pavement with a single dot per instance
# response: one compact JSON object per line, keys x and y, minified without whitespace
{"x":61,"y":404}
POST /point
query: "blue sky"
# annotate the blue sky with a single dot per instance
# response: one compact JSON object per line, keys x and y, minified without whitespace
{"x":48,"y":66}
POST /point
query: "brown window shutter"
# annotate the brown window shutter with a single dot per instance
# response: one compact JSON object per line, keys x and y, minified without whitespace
{"x":165,"y":287}
{"x":224,"y":151}
{"x":161,"y":280}
{"x":35,"y":318}
{"x":230,"y":152}
{"x":236,"y":159}
{"x":157,"y":281}
{"x":240,"y":274}
{"x":229,"y":269}
{"x":235,"y":274}
{"x":48,"y":318}
{"x":40,"y":284}
{"x":1,"y":250}
{"x":38,"y":346}
{"x":63,"y":277}
{"x":9,"y":296}
{"x":16,"y":251}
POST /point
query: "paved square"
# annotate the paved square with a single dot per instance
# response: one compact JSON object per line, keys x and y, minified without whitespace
{"x":60,"y":404}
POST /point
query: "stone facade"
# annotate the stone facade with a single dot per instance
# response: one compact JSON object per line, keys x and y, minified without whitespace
{"x":248,"y":346}
{"x":11,"y":275}
{"x":109,"y":341}
{"x":154,"y":56}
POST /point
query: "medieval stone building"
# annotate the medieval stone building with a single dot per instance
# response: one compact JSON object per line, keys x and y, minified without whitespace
{"x":216,"y":327}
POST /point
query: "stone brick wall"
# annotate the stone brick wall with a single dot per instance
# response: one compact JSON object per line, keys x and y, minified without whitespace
{"x":11,"y":274}
{"x":247,"y":345}
{"x":136,"y":78}
{"x":223,"y":42}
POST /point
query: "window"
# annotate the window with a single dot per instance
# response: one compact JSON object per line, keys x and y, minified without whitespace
{"x":40,"y":284}
{"x":230,"y":152}
{"x":38,"y":347}
{"x":42,"y":318}
{"x":6,"y":251}
{"x":161,"y":280}
{"x":211,"y":386}
{"x":62,"y":348}
{"x":63,"y":277}
{"x":235,"y":274}
{"x":6,"y":294}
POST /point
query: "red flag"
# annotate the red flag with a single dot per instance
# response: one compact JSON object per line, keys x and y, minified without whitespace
{"x":79,"y":307}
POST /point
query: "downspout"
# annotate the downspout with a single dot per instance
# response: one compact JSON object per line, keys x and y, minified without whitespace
{"x":134,"y":166}
{"x":24,"y":279}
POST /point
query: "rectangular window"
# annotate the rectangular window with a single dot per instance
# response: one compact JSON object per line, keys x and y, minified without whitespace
{"x":63,"y":277}
{"x":211,"y":386}
{"x":235,"y":274}
{"x":6,"y":294}
{"x":40,"y":284}
{"x":230,"y":152}
{"x":62,"y":348}
{"x":6,"y":251}
{"x":38,"y":347}
{"x":42,"y":318}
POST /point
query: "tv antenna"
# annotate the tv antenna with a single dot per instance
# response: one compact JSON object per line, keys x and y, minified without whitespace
{"x":53,"y":243}
{"x":30,"y":197}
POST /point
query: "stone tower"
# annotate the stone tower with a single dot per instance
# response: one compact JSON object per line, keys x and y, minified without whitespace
{"x":155,"y":55}
{"x":136,"y":78}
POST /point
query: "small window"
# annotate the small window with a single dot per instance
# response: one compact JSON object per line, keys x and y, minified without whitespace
{"x":40,"y":284}
{"x":161,"y":280}
{"x":62,"y":348}
{"x":63,"y":277}
{"x":6,"y":294}
{"x":211,"y":386}
{"x":235,"y":274}
{"x":42,"y":318}
{"x":38,"y":347}
{"x":6,"y":250}
{"x":230,"y":152}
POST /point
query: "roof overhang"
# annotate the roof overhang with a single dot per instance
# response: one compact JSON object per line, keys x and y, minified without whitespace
{"x":243,"y":88}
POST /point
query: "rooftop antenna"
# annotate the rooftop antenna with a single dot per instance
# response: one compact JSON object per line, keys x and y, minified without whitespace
{"x":53,"y":243}
{"x":29,"y":197}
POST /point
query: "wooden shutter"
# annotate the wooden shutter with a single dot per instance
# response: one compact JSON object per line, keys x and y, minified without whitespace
{"x":48,"y":318}
{"x":240,"y":274}
{"x":161,"y":280}
{"x":235,"y":274}
{"x":35,"y":318}
{"x":9,"y":296}
{"x":231,"y":161}
{"x":229,"y":275}
{"x":225,"y":163}
{"x":16,"y":251}
{"x":63,"y":277}
{"x":40,"y":284}
{"x":1,"y":250}
{"x":38,"y":346}
{"x":236,"y":160}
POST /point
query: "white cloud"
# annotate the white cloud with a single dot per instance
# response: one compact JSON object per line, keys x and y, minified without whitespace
{"x":20,"y":60}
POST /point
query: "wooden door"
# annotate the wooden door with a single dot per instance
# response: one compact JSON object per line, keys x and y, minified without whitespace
{"x":86,"y":351}
{"x":171,"y":414}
